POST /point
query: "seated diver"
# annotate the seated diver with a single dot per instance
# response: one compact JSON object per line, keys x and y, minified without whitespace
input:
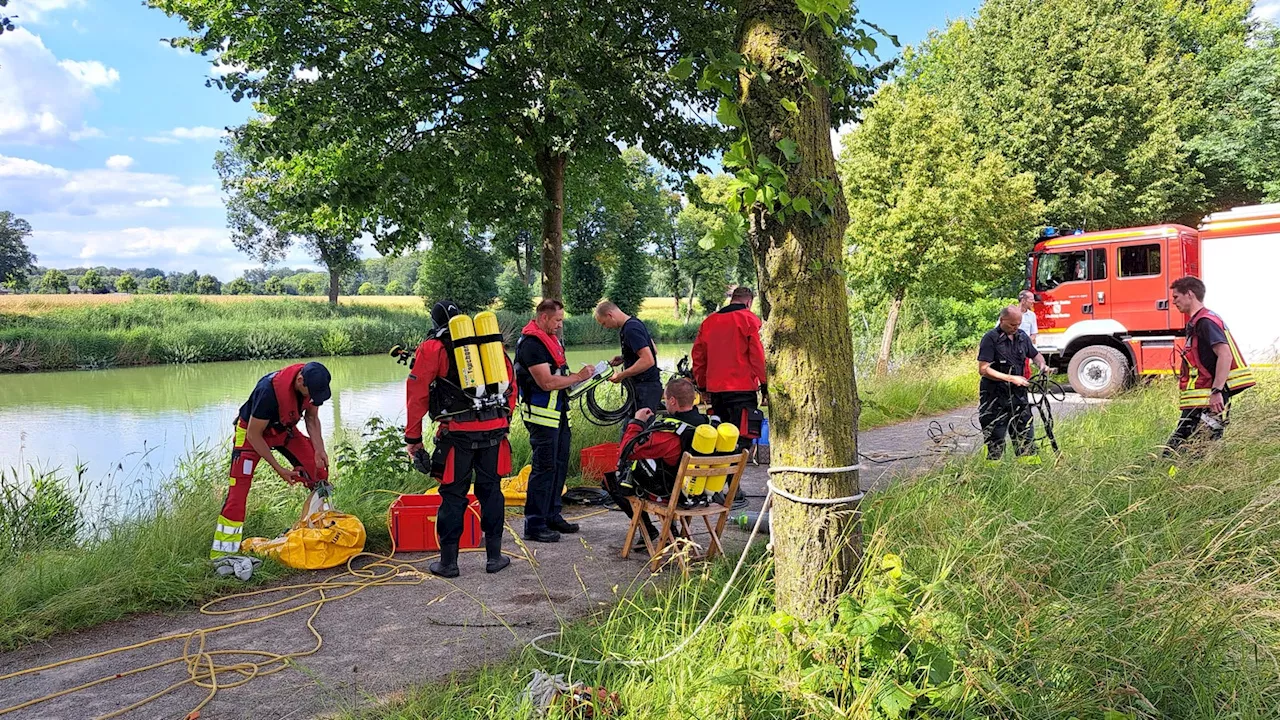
{"x":651,"y":450}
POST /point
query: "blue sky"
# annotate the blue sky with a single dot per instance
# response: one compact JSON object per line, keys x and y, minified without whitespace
{"x":107,"y":134}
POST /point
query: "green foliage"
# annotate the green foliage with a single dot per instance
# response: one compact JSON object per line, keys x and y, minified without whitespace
{"x":239,"y":286}
{"x":40,"y":512}
{"x":369,"y":289}
{"x":158,"y":285}
{"x":15,"y":259}
{"x":584,"y":279}
{"x":458,"y":267}
{"x":706,"y":262}
{"x":515,"y":294}
{"x":208,"y":285}
{"x":274,"y":286}
{"x":91,"y":282}
{"x":930,"y":213}
{"x":395,"y":287}
{"x":55,"y":282}
{"x":308,"y":286}
{"x":126,"y":284}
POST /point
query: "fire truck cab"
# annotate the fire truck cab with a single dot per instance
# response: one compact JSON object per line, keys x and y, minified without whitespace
{"x":1102,"y":298}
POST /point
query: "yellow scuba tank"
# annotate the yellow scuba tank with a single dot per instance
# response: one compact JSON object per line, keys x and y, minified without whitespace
{"x":726,"y":443}
{"x":704,"y":443}
{"x":492,"y":357}
{"x":465,"y":357}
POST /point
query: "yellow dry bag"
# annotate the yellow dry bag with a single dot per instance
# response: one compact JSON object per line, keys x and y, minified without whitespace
{"x":320,"y":540}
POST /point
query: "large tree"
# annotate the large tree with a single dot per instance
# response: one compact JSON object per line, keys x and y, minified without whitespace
{"x":267,"y":213}
{"x":930,"y":212}
{"x":404,"y":110}
{"x":15,"y":258}
{"x":792,"y":81}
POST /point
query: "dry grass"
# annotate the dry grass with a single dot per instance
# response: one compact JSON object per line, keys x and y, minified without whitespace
{"x":36,"y":304}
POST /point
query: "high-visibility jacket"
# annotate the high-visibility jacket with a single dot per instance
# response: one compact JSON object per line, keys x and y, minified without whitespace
{"x":1196,"y":380}
{"x":537,"y":406}
{"x":727,"y":354}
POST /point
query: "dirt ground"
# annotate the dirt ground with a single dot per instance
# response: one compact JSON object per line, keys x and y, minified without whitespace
{"x":386,"y":639}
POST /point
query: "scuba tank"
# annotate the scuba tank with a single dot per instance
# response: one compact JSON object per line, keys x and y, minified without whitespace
{"x":493,"y":358}
{"x":704,"y":443}
{"x":466,"y":357}
{"x":726,"y":437}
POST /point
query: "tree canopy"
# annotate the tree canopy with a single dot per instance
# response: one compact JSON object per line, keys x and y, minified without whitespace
{"x":15,"y":258}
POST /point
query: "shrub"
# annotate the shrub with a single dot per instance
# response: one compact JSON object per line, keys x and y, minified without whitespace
{"x":126,"y":284}
{"x":369,"y":288}
{"x":158,"y":285}
{"x":395,"y":287}
{"x":515,"y":294}
{"x":336,"y":341}
{"x":239,"y":286}
{"x":459,"y":269}
{"x":584,"y":280}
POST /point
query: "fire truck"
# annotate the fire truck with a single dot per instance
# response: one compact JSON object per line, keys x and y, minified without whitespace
{"x":1102,"y":298}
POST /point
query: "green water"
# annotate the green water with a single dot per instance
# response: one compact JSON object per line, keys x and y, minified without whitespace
{"x":129,"y":427}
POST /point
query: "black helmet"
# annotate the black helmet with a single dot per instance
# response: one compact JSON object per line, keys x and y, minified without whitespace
{"x":442,"y":311}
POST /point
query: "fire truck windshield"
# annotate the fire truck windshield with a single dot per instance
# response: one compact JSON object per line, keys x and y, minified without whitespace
{"x":1053,"y":269}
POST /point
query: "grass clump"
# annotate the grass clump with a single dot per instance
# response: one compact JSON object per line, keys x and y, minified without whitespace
{"x":1107,"y":584}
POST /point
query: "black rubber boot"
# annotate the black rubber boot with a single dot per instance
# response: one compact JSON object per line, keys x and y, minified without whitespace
{"x":493,"y":551}
{"x":447,"y":565}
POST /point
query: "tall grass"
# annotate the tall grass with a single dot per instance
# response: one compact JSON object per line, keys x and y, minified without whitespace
{"x":927,"y":386}
{"x":1106,"y":584}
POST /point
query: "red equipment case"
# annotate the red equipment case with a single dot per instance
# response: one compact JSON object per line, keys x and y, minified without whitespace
{"x":599,"y":459}
{"x":412,"y":521}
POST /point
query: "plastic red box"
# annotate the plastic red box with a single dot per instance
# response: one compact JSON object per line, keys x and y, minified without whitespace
{"x":412,"y":521}
{"x":599,"y":459}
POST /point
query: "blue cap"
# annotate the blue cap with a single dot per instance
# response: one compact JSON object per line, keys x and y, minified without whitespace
{"x":316,"y":377}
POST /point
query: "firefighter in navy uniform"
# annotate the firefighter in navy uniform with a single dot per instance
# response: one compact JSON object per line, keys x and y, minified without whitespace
{"x":1213,"y":370}
{"x":1002,"y":392}
{"x":728,"y":365}
{"x":268,"y":421}
{"x":468,"y":440}
{"x":652,"y":447}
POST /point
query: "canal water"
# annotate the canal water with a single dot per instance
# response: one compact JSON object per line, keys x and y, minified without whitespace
{"x":131,"y":426}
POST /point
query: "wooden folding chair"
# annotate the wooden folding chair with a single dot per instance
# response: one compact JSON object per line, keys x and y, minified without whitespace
{"x":670,"y":512}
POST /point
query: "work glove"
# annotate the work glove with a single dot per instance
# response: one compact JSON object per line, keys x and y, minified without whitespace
{"x":239,"y":565}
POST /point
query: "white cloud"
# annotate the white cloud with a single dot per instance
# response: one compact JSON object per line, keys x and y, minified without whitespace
{"x":153,"y":203}
{"x":1268,"y":10}
{"x":119,"y":162}
{"x":47,"y":98}
{"x":33,"y":188}
{"x":37,"y":11}
{"x":178,"y":134}
{"x":219,"y":69}
{"x":86,"y":133}
{"x":91,"y":73}
{"x":307,"y":74}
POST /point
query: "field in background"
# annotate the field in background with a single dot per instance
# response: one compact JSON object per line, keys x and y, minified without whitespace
{"x":37,"y":304}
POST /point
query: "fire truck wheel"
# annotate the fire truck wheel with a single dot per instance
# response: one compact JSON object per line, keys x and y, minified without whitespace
{"x":1098,"y":371}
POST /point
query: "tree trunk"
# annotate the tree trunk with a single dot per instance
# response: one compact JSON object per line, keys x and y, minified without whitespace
{"x":333,"y":286}
{"x":890,"y":325}
{"x":813,"y":397}
{"x":693,"y":287}
{"x":551,"y":167}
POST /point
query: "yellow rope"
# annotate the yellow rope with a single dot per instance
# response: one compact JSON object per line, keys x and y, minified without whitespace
{"x":203,"y":669}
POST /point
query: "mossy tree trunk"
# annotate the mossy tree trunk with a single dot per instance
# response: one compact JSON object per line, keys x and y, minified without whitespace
{"x":812,"y":391}
{"x":551,"y":167}
{"x":890,"y":327}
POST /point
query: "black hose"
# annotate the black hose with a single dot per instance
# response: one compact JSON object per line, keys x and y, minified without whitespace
{"x":596,"y":414}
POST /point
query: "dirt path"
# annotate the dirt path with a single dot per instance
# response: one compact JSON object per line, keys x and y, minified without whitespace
{"x":386,"y":639}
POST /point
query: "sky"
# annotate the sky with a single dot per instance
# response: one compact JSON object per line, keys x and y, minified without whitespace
{"x":107,"y":133}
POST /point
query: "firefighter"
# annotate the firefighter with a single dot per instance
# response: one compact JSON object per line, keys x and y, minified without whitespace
{"x":469,"y":439}
{"x":1213,"y":370}
{"x":268,"y":421}
{"x":652,"y":447}
{"x":542,"y":373}
{"x":639,"y":358}
{"x":728,"y":365}
{"x":1002,"y":392}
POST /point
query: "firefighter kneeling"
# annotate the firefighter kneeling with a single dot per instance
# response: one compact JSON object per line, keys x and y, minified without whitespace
{"x":653,"y":446}
{"x":461,"y":377}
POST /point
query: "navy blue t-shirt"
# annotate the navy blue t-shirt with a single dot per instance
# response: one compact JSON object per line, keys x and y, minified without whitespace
{"x":531,"y":352}
{"x":1006,"y":353}
{"x":262,"y":403}
{"x":635,"y":337}
{"x":1208,"y":334}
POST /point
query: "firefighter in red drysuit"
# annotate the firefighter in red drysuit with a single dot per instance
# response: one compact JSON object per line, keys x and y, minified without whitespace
{"x":728,"y":365}
{"x":468,"y":439}
{"x":1213,"y":370}
{"x":268,"y":421}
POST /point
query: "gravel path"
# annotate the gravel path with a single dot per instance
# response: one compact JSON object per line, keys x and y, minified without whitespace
{"x":386,"y":639}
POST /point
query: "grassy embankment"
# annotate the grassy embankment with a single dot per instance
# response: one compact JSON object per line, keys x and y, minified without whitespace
{"x":53,"y":579}
{"x":64,"y":332}
{"x":1111,"y":584}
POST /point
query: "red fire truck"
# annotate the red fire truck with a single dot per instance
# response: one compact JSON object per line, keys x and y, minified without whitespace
{"x":1102,"y":298}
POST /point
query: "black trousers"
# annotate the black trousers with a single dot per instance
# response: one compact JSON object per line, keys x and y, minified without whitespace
{"x":647,"y":394}
{"x":1004,"y":411}
{"x":483,"y":462}
{"x":550,"y":463}
{"x":1189,"y":423}
{"x":728,"y":406}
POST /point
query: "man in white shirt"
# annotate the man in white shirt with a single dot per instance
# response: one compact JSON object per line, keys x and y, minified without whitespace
{"x":1026,"y":303}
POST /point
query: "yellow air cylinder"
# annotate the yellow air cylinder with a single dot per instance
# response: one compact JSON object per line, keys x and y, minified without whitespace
{"x":492,"y":356}
{"x":704,"y":443}
{"x":466,"y":357}
{"x":726,"y":443}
